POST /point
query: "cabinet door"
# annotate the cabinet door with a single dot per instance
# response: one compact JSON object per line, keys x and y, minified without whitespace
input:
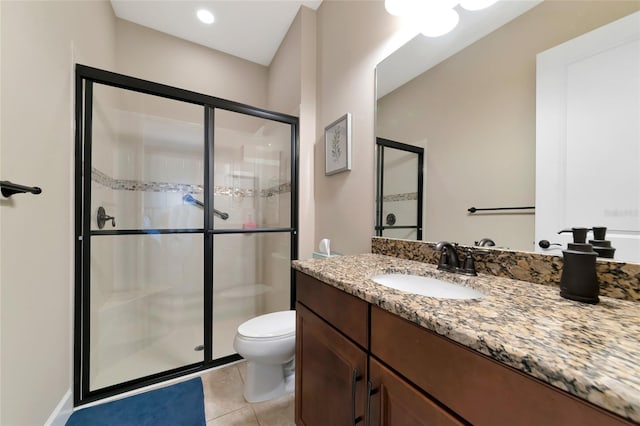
{"x":330,"y":374}
{"x":394,"y":402}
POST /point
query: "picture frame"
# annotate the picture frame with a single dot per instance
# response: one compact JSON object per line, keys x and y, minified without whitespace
{"x":337,"y":146}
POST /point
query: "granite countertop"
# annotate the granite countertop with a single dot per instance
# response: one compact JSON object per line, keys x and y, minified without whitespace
{"x":590,"y":351}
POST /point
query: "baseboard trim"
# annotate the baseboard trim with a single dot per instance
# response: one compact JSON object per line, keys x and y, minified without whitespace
{"x":62,"y":412}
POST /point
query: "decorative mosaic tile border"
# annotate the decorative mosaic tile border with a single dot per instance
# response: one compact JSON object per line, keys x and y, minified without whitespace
{"x":283,"y":188}
{"x":619,"y":280}
{"x":408,"y":196}
{"x":133,"y":185}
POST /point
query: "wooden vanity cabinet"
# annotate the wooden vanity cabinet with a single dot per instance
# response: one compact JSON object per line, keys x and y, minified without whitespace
{"x":331,"y":368}
{"x":413,"y":375}
{"x":478,"y":389}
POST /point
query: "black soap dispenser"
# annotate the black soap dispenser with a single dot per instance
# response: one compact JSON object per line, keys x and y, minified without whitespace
{"x":600,"y":244}
{"x":579,"y":281}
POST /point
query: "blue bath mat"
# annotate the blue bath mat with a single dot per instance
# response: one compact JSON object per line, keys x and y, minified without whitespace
{"x":181,"y":404}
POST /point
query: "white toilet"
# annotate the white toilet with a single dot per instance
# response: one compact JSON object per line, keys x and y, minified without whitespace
{"x":267,"y":342}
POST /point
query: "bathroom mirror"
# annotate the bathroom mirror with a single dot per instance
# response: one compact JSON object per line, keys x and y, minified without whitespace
{"x":474,"y":113}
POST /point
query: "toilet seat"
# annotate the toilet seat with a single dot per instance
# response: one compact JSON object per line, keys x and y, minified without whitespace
{"x":269,"y":326}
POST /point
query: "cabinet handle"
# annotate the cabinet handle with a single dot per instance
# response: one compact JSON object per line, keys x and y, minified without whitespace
{"x":370,"y":391}
{"x":355,"y":376}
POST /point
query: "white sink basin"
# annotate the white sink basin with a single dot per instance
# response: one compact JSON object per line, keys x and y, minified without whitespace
{"x":426,"y":286}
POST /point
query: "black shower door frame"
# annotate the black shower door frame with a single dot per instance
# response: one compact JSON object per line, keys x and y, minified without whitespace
{"x":381,"y":144}
{"x":86,"y":77}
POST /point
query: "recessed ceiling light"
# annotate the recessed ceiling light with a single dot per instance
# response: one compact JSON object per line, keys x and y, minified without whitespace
{"x":205,"y":16}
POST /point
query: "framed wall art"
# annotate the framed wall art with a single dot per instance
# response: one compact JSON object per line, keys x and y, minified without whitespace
{"x":337,"y":146}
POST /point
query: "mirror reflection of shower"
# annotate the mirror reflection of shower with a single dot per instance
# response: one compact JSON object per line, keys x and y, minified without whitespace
{"x":399,"y":190}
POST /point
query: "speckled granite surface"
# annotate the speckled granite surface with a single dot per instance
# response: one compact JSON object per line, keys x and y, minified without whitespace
{"x":617,"y":279}
{"x":590,"y":351}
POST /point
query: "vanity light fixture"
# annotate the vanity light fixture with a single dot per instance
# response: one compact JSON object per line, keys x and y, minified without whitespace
{"x":400,"y":8}
{"x":476,"y":4}
{"x":433,"y":18}
{"x":408,"y":8}
{"x":438,"y":22}
{"x":205,"y":16}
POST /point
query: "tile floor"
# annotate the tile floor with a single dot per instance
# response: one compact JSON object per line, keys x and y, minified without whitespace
{"x":224,"y":404}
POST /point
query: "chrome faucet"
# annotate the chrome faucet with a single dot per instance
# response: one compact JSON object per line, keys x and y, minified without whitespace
{"x":485,"y":242}
{"x":448,"y":257}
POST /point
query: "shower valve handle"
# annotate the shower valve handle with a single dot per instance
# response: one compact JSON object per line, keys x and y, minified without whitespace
{"x":104,"y":217}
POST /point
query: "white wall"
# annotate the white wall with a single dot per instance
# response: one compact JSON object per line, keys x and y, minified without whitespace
{"x":40,"y":42}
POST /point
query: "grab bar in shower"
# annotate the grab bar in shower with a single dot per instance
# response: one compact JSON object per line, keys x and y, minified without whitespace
{"x":188,"y":198}
{"x":9,"y":188}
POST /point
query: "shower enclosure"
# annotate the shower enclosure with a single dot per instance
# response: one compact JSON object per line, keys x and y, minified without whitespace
{"x":185,"y":227}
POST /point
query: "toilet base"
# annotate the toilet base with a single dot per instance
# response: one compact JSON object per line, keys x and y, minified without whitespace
{"x":290,"y":383}
{"x":265,"y":381}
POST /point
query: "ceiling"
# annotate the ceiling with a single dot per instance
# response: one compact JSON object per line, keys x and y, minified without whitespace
{"x":249,"y":29}
{"x":254,"y":29}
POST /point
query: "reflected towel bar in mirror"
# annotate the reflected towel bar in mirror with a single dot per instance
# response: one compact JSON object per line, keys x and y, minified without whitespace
{"x":473,"y":209}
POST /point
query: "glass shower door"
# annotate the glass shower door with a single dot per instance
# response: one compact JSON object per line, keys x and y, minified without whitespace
{"x":252,"y":244}
{"x":185,"y":228}
{"x":146,"y":248}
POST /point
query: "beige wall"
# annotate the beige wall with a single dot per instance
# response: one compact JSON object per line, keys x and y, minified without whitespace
{"x":353,"y":36}
{"x":308,"y":99}
{"x":475,"y":115}
{"x":283,"y":84}
{"x":40,"y":42}
{"x":292,"y":90}
{"x":152,"y":55}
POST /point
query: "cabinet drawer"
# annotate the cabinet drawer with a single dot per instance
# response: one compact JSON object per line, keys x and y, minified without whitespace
{"x":345,"y":312}
{"x":482,"y":391}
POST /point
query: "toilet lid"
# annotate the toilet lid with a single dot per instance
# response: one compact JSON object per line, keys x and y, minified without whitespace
{"x":275,"y":324}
